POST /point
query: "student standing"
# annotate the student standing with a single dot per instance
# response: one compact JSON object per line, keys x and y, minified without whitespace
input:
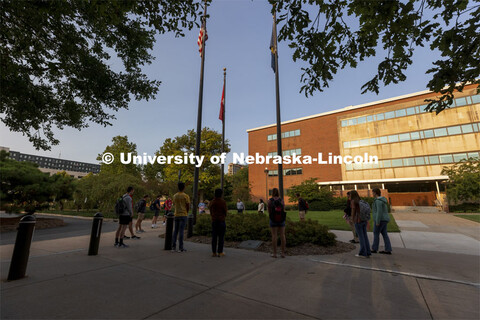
{"x":380,"y":219}
{"x":361,"y":216}
{"x":156,"y":206}
{"x":277,"y":215}
{"x":124,"y":218}
{"x":182,"y":205}
{"x":141,"y":206}
{"x":302,"y":207}
{"x":348,"y":218}
{"x":218,"y":212}
{"x":240,"y":206}
{"x":261,"y":207}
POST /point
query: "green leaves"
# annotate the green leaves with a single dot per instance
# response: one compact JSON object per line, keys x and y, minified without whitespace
{"x":464,"y":180}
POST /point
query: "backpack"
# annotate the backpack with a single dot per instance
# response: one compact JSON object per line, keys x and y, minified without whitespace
{"x":120,"y":206}
{"x":278,"y":214}
{"x":152,"y":206}
{"x":306,"y":205}
{"x":138,"y":205}
{"x":364,"y":211}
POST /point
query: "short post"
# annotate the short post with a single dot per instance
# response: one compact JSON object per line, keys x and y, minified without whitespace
{"x":21,"y":251}
{"x":190,"y":226}
{"x":95,"y":235}
{"x":169,"y":231}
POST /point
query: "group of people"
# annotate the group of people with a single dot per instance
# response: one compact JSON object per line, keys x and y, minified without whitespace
{"x":357,"y":215}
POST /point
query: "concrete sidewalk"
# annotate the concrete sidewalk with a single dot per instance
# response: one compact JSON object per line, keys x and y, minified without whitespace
{"x":146,"y":282}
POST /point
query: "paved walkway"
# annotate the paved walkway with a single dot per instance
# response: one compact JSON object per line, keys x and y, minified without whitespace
{"x":146,"y":282}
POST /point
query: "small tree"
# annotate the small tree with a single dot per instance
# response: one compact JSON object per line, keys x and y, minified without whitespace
{"x":319,"y":199}
{"x":464,"y":180}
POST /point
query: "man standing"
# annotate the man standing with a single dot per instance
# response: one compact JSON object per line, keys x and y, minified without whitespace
{"x":182,"y":206}
{"x":141,"y":206}
{"x":156,"y":206}
{"x":302,"y":207}
{"x":381,"y":219}
{"x":125,"y":218}
{"x":218,"y":212}
{"x":240,"y":206}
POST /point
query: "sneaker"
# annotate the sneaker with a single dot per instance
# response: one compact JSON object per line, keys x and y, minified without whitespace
{"x":214,"y":254}
{"x":386,"y":252}
{"x":135,"y":237}
{"x":374,"y":251}
{"x":163,"y":223}
{"x":116,"y":244}
{"x":221,"y":254}
{"x":123,"y":245}
{"x":182,"y":250}
{"x":173,"y":250}
{"x":126,"y":237}
{"x":360,"y":256}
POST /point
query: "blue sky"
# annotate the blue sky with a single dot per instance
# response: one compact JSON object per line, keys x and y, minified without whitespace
{"x":239,"y":37}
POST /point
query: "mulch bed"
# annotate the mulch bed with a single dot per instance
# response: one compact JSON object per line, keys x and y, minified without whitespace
{"x":302,"y":250}
{"x":11,"y":224}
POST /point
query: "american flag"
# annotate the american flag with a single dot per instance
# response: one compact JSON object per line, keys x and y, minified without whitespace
{"x":203,"y":31}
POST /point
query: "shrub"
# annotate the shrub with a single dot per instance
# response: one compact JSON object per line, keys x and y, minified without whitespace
{"x":465,"y":207}
{"x":249,"y":205}
{"x":241,"y":227}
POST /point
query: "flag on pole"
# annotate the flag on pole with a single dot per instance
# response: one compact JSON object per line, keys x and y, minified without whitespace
{"x":222,"y":106}
{"x":203,"y":33}
{"x":273,"y":48}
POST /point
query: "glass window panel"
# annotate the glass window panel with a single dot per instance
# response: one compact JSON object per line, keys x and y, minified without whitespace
{"x":344,"y":123}
{"x":297,"y":132}
{"x":428,"y":133}
{"x":299,"y":151}
{"x":411,"y":111}
{"x":440,"y":132}
{"x":364,"y":142}
{"x":409,"y":162}
{"x":299,"y":171}
{"x":419,"y":161}
{"x":287,"y":134}
{"x":383,"y":140}
{"x":475,"y":127}
{"x":460,"y":102}
{"x":389,"y":115}
{"x":417,"y":110}
{"x":387,"y":163}
{"x":459,"y":157}
{"x":476,"y":98}
{"x":348,"y":167}
{"x":370,"y":118}
{"x":397,"y":163}
{"x":353,"y":144}
{"x":269,"y":138}
{"x":288,"y":172}
{"x":376,"y":165}
{"x":433,"y":160}
{"x":373,"y":141}
{"x":454,"y":130}
{"x":393,"y":138}
{"x":380,"y":116}
{"x":473,"y":154}
{"x":351,"y":122}
{"x":467,"y":128}
{"x":446,"y":158}
{"x":361,"y":120}
{"x":346,"y":144}
{"x":400,"y":113}
{"x":357,"y":166}
{"x":274,"y":137}
{"x":404,"y":136}
{"x":367,"y":166}
{"x":414,"y":135}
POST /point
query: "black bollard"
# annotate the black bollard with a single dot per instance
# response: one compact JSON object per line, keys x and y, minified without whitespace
{"x":190,"y":226}
{"x":21,"y":251}
{"x":95,"y":235}
{"x":169,"y":231}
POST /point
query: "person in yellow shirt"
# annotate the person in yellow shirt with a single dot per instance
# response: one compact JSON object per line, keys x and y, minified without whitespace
{"x":181,"y":202}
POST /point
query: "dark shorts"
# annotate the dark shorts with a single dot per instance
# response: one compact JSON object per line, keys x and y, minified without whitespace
{"x":240,"y":210}
{"x":276,"y":224}
{"x":124,"y":219}
{"x":157,"y":213}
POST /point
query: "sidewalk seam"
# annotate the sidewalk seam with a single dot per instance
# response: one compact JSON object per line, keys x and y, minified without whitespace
{"x":424,"y":299}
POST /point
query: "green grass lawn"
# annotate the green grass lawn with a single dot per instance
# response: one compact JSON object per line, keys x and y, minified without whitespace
{"x":333,"y":219}
{"x":473,"y":217}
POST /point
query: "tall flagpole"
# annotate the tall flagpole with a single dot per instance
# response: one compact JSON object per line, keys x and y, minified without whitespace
{"x":279,"y":123}
{"x":199,"y":126}
{"x":223,"y":121}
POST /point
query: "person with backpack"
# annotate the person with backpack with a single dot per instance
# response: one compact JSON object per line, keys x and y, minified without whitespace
{"x":140,"y":207}
{"x":277,"y":215}
{"x":181,"y":202}
{"x":302,"y":207}
{"x":156,"y":208}
{"x":380,"y":219}
{"x":124,"y":209}
{"x":348,"y":218}
{"x":167,"y":205}
{"x":218,"y":212}
{"x":361,"y":216}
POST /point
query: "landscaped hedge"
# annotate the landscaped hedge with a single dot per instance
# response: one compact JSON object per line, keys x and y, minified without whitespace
{"x":249,"y":205}
{"x":241,"y":227}
{"x":465,"y":207}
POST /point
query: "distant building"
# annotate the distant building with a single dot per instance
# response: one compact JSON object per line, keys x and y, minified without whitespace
{"x":50,"y":165}
{"x":412,"y":147}
{"x":234,"y":168}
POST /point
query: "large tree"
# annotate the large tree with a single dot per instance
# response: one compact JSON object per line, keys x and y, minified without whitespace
{"x":464,"y":180}
{"x":56,"y":59}
{"x":329,"y":35}
{"x":120,"y":144}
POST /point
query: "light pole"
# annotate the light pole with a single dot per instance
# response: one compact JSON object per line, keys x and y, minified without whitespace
{"x":266,"y":183}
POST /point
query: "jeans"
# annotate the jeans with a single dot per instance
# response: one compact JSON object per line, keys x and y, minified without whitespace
{"x":361,"y":229}
{"x":381,"y":228}
{"x":180,"y":223}
{"x":218,"y":232}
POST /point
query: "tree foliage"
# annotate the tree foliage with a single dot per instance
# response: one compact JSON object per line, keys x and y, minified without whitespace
{"x":120,"y":144}
{"x":334,"y":34}
{"x":57,"y":59}
{"x":464,"y":180}
{"x":240,"y":185}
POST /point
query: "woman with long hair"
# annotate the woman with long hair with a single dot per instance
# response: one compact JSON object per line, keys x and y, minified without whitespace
{"x":360,"y":224}
{"x":277,"y":215}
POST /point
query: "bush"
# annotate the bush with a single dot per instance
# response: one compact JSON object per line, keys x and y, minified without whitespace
{"x":241,"y":227}
{"x":249,"y":205}
{"x":465,"y":207}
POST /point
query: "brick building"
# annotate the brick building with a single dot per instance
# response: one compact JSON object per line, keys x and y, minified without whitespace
{"x":412,"y":147}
